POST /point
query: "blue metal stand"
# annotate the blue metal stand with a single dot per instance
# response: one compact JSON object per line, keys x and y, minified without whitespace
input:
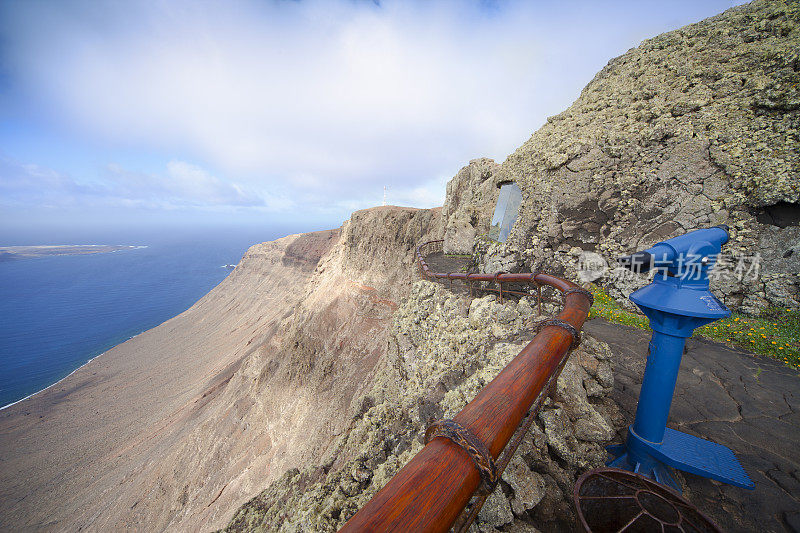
{"x":677,"y":302}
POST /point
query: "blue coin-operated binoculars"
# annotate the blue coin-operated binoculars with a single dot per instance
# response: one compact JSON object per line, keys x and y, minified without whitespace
{"x":676,"y":302}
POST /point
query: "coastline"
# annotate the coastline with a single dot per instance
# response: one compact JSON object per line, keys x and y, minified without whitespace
{"x":94,"y":424}
{"x":72,"y":372}
{"x":51,"y":385}
{"x":64,"y":311}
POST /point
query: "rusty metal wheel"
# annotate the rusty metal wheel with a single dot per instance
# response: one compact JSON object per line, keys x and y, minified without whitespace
{"x":612,"y":500}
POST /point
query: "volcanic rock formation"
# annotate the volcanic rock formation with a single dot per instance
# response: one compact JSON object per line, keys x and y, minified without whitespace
{"x":696,"y":127}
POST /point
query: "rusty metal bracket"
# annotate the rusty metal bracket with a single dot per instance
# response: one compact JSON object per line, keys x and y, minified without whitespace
{"x":578,"y":290}
{"x":467,"y":441}
{"x":499,"y":285}
{"x":576,"y":336}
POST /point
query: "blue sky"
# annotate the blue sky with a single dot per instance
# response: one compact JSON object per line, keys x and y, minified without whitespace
{"x":160,"y":113}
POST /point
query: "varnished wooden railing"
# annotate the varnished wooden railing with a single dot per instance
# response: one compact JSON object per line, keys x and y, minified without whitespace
{"x":432,"y":490}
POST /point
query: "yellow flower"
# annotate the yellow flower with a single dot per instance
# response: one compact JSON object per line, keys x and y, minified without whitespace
{"x":780,"y":347}
{"x":773,"y":342}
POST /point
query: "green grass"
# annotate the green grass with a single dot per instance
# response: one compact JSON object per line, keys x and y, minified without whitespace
{"x":606,"y":307}
{"x":776,"y":333}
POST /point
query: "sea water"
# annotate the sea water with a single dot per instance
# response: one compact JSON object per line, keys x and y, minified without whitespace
{"x":59,"y":312}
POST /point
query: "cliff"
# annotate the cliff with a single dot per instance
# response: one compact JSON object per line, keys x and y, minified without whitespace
{"x":318,"y":353}
{"x":149,"y":434}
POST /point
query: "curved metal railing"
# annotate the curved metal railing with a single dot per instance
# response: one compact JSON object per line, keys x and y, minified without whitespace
{"x":431,"y":492}
{"x":475,"y":282}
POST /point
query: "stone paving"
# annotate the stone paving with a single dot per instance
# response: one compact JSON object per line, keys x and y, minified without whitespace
{"x":749,"y":403}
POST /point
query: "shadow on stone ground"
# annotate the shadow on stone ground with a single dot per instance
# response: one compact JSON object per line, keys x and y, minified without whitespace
{"x":749,"y":403}
{"x":439,"y":262}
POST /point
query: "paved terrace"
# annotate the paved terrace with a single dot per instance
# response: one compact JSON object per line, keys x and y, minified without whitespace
{"x":749,"y":403}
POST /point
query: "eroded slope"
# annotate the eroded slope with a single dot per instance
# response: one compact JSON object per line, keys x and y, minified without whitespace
{"x":148,"y":435}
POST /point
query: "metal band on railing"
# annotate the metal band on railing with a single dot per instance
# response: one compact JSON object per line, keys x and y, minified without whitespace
{"x":499,"y":284}
{"x":578,"y":290}
{"x":576,"y":336}
{"x":467,"y":441}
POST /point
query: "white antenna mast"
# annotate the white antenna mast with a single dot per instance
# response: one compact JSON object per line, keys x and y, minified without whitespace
{"x":384,"y":195}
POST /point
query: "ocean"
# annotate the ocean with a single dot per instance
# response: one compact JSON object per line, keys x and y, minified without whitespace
{"x":57,"y":313}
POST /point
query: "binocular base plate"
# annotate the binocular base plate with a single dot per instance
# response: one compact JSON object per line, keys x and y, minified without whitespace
{"x":682,"y":451}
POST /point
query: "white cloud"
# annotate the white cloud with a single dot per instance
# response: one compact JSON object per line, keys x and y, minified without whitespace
{"x":311,"y":103}
{"x":428,"y":194}
{"x":180,"y":185}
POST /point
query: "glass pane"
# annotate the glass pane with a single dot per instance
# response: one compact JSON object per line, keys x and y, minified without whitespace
{"x":499,"y":213}
{"x":512,"y":210}
{"x":506,"y":211}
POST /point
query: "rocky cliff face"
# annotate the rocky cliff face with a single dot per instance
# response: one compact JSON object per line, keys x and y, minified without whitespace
{"x":695,"y":127}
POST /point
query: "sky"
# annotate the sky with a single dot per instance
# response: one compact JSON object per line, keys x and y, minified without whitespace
{"x":162,"y":114}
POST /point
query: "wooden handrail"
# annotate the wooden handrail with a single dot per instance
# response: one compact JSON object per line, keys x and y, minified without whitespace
{"x":431,"y":491}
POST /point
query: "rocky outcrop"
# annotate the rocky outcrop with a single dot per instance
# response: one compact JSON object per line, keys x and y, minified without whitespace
{"x":378,"y":245}
{"x":442,"y":349}
{"x":469,"y":205}
{"x":693,"y":128}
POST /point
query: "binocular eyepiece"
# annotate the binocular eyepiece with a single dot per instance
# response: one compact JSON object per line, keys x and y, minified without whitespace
{"x":639,"y":262}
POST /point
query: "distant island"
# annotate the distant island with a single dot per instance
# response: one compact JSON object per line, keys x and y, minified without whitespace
{"x":13,"y":253}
